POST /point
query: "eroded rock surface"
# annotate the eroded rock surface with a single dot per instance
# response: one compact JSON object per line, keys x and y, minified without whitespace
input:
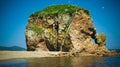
{"x":71,"y":30}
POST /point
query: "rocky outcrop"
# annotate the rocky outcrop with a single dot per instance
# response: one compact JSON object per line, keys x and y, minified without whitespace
{"x":63,"y":28}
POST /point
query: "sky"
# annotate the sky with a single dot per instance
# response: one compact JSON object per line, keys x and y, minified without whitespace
{"x":14,"y":18}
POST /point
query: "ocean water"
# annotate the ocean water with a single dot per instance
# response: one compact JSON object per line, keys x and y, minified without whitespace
{"x":111,"y":61}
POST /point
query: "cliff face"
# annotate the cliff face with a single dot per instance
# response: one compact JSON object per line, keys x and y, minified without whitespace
{"x":62,"y":28}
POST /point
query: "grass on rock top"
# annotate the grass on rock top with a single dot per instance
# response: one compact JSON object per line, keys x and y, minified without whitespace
{"x":58,"y":9}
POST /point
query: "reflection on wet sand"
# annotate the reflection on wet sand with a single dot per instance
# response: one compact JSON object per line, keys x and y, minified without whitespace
{"x":112,"y":61}
{"x":81,"y":61}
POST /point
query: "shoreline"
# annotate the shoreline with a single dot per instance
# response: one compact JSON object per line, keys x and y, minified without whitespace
{"x":6,"y":55}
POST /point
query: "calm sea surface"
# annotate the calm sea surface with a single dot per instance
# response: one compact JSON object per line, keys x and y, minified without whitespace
{"x":112,"y":61}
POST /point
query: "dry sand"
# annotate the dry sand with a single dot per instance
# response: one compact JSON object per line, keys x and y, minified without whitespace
{"x":5,"y":55}
{"x":26,"y":54}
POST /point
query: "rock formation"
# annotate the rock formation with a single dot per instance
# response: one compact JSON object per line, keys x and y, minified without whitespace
{"x":63,"y":28}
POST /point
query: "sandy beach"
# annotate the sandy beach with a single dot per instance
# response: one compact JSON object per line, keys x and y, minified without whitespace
{"x":4,"y":55}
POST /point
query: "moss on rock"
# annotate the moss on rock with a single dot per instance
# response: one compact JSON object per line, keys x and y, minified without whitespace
{"x":34,"y":28}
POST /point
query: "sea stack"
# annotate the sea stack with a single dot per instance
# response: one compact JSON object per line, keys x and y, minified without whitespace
{"x":65,"y":28}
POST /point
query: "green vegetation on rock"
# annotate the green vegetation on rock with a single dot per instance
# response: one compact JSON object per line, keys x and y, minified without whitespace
{"x":101,"y":39}
{"x":58,"y":9}
{"x":58,"y":22}
{"x":34,"y":28}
